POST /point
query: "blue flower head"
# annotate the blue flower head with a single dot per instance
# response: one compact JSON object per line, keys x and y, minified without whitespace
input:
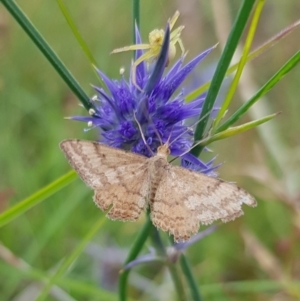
{"x":151,"y":107}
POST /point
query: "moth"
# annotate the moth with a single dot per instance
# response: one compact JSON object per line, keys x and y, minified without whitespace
{"x":125,"y":184}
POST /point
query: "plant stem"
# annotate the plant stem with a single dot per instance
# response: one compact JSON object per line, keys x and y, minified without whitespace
{"x":177,"y":281}
{"x":136,"y":17}
{"x":47,"y":51}
{"x":69,"y":260}
{"x":161,"y":250}
{"x":232,"y":42}
{"x":135,"y":21}
{"x":37,"y":197}
{"x":134,"y":251}
{"x":190,"y":278}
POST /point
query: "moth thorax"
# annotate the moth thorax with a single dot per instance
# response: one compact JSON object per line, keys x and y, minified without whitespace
{"x":163,"y":150}
{"x":158,"y":169}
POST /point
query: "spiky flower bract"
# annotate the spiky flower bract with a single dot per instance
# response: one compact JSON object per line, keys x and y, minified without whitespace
{"x":122,"y":113}
{"x":172,"y":253}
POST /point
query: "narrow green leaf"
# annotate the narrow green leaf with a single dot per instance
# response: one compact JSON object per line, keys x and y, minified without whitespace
{"x":178,"y":283}
{"x":288,"y":66}
{"x":267,"y":45}
{"x":241,"y":65}
{"x":135,"y":18}
{"x":213,"y":289}
{"x":187,"y":272}
{"x":145,"y":231}
{"x":190,"y":278}
{"x":237,"y":129}
{"x":254,"y":286}
{"x":255,"y":53}
{"x":133,"y":253}
{"x":78,"y":286}
{"x":47,"y":51}
{"x":173,"y":270}
{"x":39,"y":196}
{"x":222,"y":67}
{"x":58,"y":219}
{"x":76,"y":32}
{"x":70,"y":259}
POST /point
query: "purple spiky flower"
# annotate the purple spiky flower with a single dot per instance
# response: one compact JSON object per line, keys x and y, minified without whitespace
{"x":150,"y":105}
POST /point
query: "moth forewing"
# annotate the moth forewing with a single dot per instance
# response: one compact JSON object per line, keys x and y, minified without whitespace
{"x":126,"y":183}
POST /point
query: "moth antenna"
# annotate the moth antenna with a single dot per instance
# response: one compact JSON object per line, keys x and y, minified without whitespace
{"x":157,"y":134}
{"x":208,"y":113}
{"x":148,"y":118}
{"x":142,"y":134}
{"x":187,"y":151}
{"x":194,"y":145}
{"x":168,"y":141}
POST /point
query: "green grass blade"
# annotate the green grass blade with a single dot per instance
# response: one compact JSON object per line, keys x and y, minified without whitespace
{"x":89,"y":291}
{"x":242,"y":63}
{"x":133,"y":253}
{"x":47,"y":51}
{"x":288,"y":66}
{"x":238,"y":129}
{"x":222,"y":67}
{"x":78,"y":286}
{"x":48,"y":230}
{"x":39,"y":196}
{"x":177,"y":281}
{"x":70,"y":259}
{"x":135,"y":17}
{"x":255,"y":53}
{"x":250,"y":286}
{"x":190,"y":278}
{"x":76,"y":32}
{"x":267,"y":45}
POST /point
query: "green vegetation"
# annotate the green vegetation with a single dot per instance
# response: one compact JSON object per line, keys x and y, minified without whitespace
{"x":256,"y":257}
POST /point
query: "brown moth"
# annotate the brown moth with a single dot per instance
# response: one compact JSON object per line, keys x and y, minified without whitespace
{"x":126,"y":183}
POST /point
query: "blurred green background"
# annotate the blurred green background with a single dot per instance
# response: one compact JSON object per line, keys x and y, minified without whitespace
{"x":263,"y":245}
